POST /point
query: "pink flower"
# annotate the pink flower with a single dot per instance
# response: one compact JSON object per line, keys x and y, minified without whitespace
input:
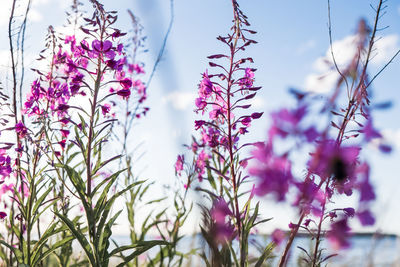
{"x":125,"y":93}
{"x":64,"y":133}
{"x":370,"y":132}
{"x":6,"y":188}
{"x":339,"y":234}
{"x":201,"y":164}
{"x":62,"y":143}
{"x":105,"y":109}
{"x":278,"y":236}
{"x":126,"y":83}
{"x":223,"y":228}
{"x":349,"y":212}
{"x":247,"y":80}
{"x":21,"y":129}
{"x":366,"y":218}
{"x":331,"y":160}
{"x":273,"y":172}
{"x":101,"y":46}
{"x":199,"y":124}
{"x":5,"y":164}
{"x":179,"y":164}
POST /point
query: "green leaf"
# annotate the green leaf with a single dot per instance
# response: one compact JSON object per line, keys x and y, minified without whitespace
{"x":103,"y":236}
{"x":141,"y":247}
{"x":267,"y":254}
{"x":40,"y":200}
{"x":71,"y":157}
{"x":18,"y":253}
{"x":210,"y":178}
{"x":100,"y":164}
{"x":110,"y":203}
{"x":80,"y":237}
{"x":41,"y":256}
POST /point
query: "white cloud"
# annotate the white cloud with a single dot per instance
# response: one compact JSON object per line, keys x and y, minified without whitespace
{"x":304,"y":47}
{"x":257,"y":102}
{"x":321,"y":83}
{"x":5,"y":12}
{"x":180,"y":100}
{"x":325,"y":76}
{"x":34,"y":14}
{"x":385,"y":47}
{"x":4,"y":63}
{"x":392,"y":137}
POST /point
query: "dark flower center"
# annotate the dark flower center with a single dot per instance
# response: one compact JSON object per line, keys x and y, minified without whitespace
{"x":338,"y":169}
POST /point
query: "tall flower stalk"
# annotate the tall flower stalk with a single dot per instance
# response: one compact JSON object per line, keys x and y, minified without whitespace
{"x":334,"y":167}
{"x":224,"y":95}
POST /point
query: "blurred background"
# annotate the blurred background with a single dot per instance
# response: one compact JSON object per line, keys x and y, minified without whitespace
{"x":292,"y":52}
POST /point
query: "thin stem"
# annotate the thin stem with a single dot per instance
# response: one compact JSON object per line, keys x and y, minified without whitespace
{"x":321,"y":219}
{"x":293,"y":233}
{"x":15,"y":113}
{"x":230,"y":126}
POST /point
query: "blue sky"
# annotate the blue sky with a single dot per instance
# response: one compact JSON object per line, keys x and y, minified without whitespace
{"x":292,"y":37}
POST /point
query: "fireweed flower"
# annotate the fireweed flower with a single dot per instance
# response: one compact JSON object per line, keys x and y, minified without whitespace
{"x":220,"y":213}
{"x":331,"y":160}
{"x":333,"y":167}
{"x":274,"y":172}
{"x":179,"y":164}
{"x":21,"y":129}
{"x":248,"y":79}
{"x":222,"y":104}
{"x":278,"y":236}
{"x":288,"y":122}
{"x":339,"y":234}
{"x":105,"y":109}
{"x":5,"y":164}
{"x":124,"y":93}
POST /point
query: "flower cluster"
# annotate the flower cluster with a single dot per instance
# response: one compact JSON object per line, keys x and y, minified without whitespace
{"x":332,"y":168}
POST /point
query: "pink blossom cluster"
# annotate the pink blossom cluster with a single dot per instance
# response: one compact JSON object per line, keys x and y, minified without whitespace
{"x":333,"y":167}
{"x":74,"y":65}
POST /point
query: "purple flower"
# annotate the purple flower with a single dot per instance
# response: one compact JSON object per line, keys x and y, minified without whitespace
{"x":125,"y":93}
{"x":273,"y":172}
{"x":64,"y":133}
{"x":200,"y":165}
{"x":101,"y":46}
{"x":349,"y":212}
{"x":223,"y":228}
{"x":278,"y":236}
{"x":366,"y":189}
{"x":365,"y":218}
{"x":198,"y":124}
{"x":248,"y":79}
{"x":220,"y":210}
{"x":246,"y":121}
{"x":179,"y":164}
{"x":370,"y":132}
{"x":105,"y":109}
{"x":205,"y":86}
{"x":63,"y":107}
{"x":339,"y":234}
{"x":5,"y":164}
{"x":21,"y":129}
{"x":331,"y":160}
{"x":126,"y":83}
